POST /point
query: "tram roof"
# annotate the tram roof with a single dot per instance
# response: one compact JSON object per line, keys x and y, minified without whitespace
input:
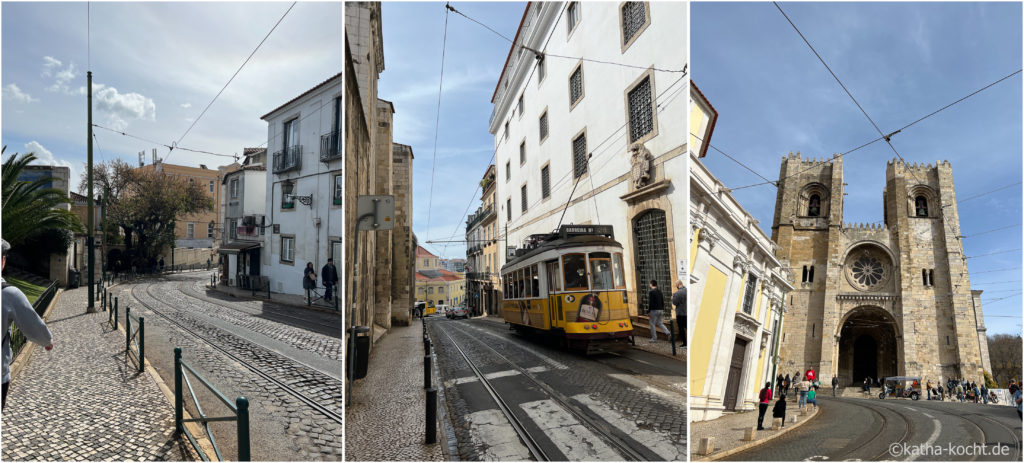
{"x":562,"y":243}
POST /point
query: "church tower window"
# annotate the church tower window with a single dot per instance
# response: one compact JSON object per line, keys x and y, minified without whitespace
{"x":921,"y":206}
{"x":814,"y":206}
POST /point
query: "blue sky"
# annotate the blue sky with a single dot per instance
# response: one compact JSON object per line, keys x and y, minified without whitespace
{"x":412,"y":58}
{"x":155,"y":67}
{"x":901,"y":61}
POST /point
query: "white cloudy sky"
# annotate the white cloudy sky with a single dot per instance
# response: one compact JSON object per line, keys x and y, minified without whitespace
{"x":155,"y":67}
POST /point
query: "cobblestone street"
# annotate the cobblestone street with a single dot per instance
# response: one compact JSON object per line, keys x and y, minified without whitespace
{"x":84,"y":401}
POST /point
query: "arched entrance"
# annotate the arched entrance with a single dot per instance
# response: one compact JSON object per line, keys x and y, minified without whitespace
{"x":868,"y":345}
{"x":651,"y":258}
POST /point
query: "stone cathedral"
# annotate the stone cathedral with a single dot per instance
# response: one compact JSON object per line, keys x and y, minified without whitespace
{"x":876,"y":300}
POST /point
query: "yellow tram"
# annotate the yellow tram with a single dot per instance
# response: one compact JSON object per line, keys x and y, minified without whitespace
{"x":569,"y":284}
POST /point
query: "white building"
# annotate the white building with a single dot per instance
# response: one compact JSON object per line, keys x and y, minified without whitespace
{"x":243,"y":202}
{"x":737,"y":289}
{"x":552,"y":112}
{"x":303,"y":186}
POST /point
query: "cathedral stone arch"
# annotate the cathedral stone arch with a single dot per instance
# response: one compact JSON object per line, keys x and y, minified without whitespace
{"x":869,"y":266}
{"x":870,"y":343}
{"x":813,"y":201}
{"x":922,"y":201}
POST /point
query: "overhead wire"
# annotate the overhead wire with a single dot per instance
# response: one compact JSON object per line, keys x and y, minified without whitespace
{"x":987,"y":193}
{"x":437,"y":118}
{"x":994,"y":253}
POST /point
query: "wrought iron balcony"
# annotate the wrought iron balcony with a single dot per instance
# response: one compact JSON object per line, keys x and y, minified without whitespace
{"x":478,"y":276}
{"x":479,"y":216}
{"x":288,"y":159}
{"x":330,"y":146}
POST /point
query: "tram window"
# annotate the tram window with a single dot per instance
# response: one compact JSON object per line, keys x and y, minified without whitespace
{"x":527,"y":281}
{"x":600,"y":270}
{"x":554,"y":280}
{"x":574,"y":268}
{"x":620,"y":277}
{"x":519,"y":284}
{"x":535,"y":284}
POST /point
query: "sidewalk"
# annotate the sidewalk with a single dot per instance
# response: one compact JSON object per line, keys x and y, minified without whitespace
{"x":83,"y":401}
{"x":291,"y":300}
{"x":727,"y":432}
{"x":387,"y":416}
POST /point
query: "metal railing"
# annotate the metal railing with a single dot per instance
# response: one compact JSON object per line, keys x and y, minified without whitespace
{"x":287,"y":159}
{"x":139,"y":336}
{"x":42,"y":302}
{"x":330,"y":146}
{"x":240,"y":409}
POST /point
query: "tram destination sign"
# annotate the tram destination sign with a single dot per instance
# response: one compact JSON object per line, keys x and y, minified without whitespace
{"x":576,"y":230}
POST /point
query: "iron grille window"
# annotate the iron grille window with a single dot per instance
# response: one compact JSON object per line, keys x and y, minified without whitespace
{"x":641,"y":112}
{"x":579,"y":155}
{"x":544,"y":126}
{"x":522,"y":153}
{"x":634,"y":15}
{"x":576,"y":85}
{"x":574,"y":15}
{"x":545,"y":182}
{"x":748,"y":295}
{"x":651,"y":261}
{"x":523,"y":191}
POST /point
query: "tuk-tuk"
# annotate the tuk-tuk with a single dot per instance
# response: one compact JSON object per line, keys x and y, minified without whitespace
{"x":901,"y":387}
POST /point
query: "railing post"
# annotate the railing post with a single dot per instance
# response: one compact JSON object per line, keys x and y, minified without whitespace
{"x":177,"y":391}
{"x":431,"y":415}
{"x":243,"y":428}
{"x":426,"y":372}
{"x":115,"y":311}
{"x":127,"y":328}
{"x":142,"y":344}
{"x":103,"y":304}
{"x":672,"y":336}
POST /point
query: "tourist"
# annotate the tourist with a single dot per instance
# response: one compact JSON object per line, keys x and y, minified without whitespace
{"x":804,"y":386}
{"x":779,"y":410}
{"x":835,"y":384}
{"x":17,"y":309}
{"x":764,"y":399}
{"x":928,"y":384}
{"x":811,"y":398}
{"x":656,"y":306}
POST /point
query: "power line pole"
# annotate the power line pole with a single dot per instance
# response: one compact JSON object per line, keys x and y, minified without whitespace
{"x":92,"y":246}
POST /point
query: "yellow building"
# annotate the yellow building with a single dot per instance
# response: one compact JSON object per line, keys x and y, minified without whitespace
{"x":435,"y":285}
{"x":195,"y":230}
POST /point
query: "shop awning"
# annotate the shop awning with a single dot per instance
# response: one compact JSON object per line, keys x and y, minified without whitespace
{"x":235,"y":248}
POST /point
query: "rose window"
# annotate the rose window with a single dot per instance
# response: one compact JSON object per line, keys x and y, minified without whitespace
{"x":868,"y":271}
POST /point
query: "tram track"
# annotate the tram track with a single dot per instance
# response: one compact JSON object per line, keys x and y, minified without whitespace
{"x":599,"y":428}
{"x":299,"y":395}
{"x":277,"y":312}
{"x":881,"y":429}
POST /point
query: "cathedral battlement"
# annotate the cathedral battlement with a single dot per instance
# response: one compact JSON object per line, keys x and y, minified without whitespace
{"x":899,"y":167}
{"x":802,"y":160}
{"x":848,"y":227}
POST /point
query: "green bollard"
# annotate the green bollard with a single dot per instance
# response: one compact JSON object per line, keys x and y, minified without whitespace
{"x":243,"y":428}
{"x":127,"y":328}
{"x":142,"y":344}
{"x":178,"y":427}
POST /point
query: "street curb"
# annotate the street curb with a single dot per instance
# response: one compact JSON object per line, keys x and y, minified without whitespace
{"x":733,"y":451}
{"x":26,"y":354}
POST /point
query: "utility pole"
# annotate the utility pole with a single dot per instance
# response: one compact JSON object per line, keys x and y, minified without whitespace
{"x":91,"y":220}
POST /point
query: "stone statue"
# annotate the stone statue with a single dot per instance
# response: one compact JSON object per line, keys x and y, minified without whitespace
{"x":640,"y":159}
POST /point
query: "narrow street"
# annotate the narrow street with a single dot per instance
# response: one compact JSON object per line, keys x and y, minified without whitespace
{"x":565,"y":405}
{"x":286,"y":361}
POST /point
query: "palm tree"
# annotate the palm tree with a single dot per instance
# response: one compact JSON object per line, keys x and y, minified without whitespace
{"x":30,"y":208}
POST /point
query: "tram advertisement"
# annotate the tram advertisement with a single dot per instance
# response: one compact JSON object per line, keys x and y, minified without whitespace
{"x":590,"y":308}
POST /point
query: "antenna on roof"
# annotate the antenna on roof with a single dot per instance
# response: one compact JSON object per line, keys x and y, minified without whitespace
{"x":142,"y":156}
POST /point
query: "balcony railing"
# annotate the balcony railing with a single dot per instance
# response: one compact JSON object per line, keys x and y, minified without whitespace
{"x":330,"y":146}
{"x":288,"y":159}
{"x":478,"y":216}
{"x":478,"y":276}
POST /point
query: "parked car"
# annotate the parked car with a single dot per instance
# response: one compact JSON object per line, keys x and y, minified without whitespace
{"x":458,"y":312}
{"x":443,"y":309}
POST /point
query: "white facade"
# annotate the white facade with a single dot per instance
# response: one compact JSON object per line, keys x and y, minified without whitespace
{"x":243,"y":199}
{"x":605,"y":193}
{"x":305,"y":225}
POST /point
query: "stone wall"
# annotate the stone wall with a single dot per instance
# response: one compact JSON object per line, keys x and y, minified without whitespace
{"x":382,"y":160}
{"x":403,"y":260}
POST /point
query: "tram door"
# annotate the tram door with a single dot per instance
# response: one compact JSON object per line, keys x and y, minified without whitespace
{"x":554,"y":285}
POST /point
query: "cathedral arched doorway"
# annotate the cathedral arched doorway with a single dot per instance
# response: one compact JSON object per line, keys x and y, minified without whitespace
{"x":868,"y":345}
{"x":651,"y":258}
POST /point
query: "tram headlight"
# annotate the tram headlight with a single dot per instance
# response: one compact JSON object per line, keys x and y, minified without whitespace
{"x":594,"y":326}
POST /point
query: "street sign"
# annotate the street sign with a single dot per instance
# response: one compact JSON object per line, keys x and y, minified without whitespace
{"x":375,"y":212}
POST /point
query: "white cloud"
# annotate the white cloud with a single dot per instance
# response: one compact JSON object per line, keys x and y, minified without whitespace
{"x":124,"y":105}
{"x":12,"y":91}
{"x":45,"y":158}
{"x":186,"y":105}
{"x":49,"y":63}
{"x":61,"y":76}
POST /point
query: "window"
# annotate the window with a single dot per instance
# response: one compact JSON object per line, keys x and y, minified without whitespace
{"x":574,"y":269}
{"x":579,"y":155}
{"x":287,"y":248}
{"x":544,"y":126}
{"x":931,"y":278}
{"x":522,"y":153}
{"x":234,"y":188}
{"x":641,"y":110}
{"x":554,"y":282}
{"x":523,"y":191}
{"x":190,"y":230}
{"x":924,"y":277}
{"x":506,"y":130}
{"x":573,"y":16}
{"x":601,"y":271}
{"x":814,"y":206}
{"x":287,"y":200}
{"x":545,"y":181}
{"x":748,"y":295}
{"x":520,"y":105}
{"x":927,"y":277}
{"x":426,"y":262}
{"x":540,"y":71}
{"x":620,"y":276}
{"x":211,"y":186}
{"x":921,"y":206}
{"x":337,"y":190}
{"x":634,"y":19}
{"x":209,"y":230}
{"x":804,"y":278}
{"x":233,"y":228}
{"x":534,"y":281}
{"x":576,"y":86}
{"x":808,"y":274}
{"x":508,"y":209}
{"x":291,"y":133}
{"x":508,"y":170}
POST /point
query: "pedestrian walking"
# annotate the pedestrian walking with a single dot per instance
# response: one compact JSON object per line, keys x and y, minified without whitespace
{"x":656,"y":306}
{"x":308,"y":279}
{"x":867,"y":385}
{"x":835,"y":384}
{"x":17,"y":309}
{"x":929,"y":386}
{"x":786,"y":385}
{"x":764,"y":399}
{"x":803,"y":386}
{"x":960,"y":392}
{"x":161,"y":264}
{"x":329,"y":274}
{"x":679,"y":303}
{"x":812,"y":398}
{"x":778,"y":382}
{"x":941,"y":397}
{"x":779,"y":410}
{"x":984,"y":393}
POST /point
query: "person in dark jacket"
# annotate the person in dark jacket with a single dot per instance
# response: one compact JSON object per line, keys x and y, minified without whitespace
{"x":308,"y":279}
{"x":679,"y":302}
{"x":785,"y":385}
{"x":835,"y":384}
{"x":779,"y":410}
{"x":764,"y":399}
{"x":656,"y":307}
{"x":329,"y":273}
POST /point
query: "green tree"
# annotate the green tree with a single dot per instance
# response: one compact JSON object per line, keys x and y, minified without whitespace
{"x":30,"y":208}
